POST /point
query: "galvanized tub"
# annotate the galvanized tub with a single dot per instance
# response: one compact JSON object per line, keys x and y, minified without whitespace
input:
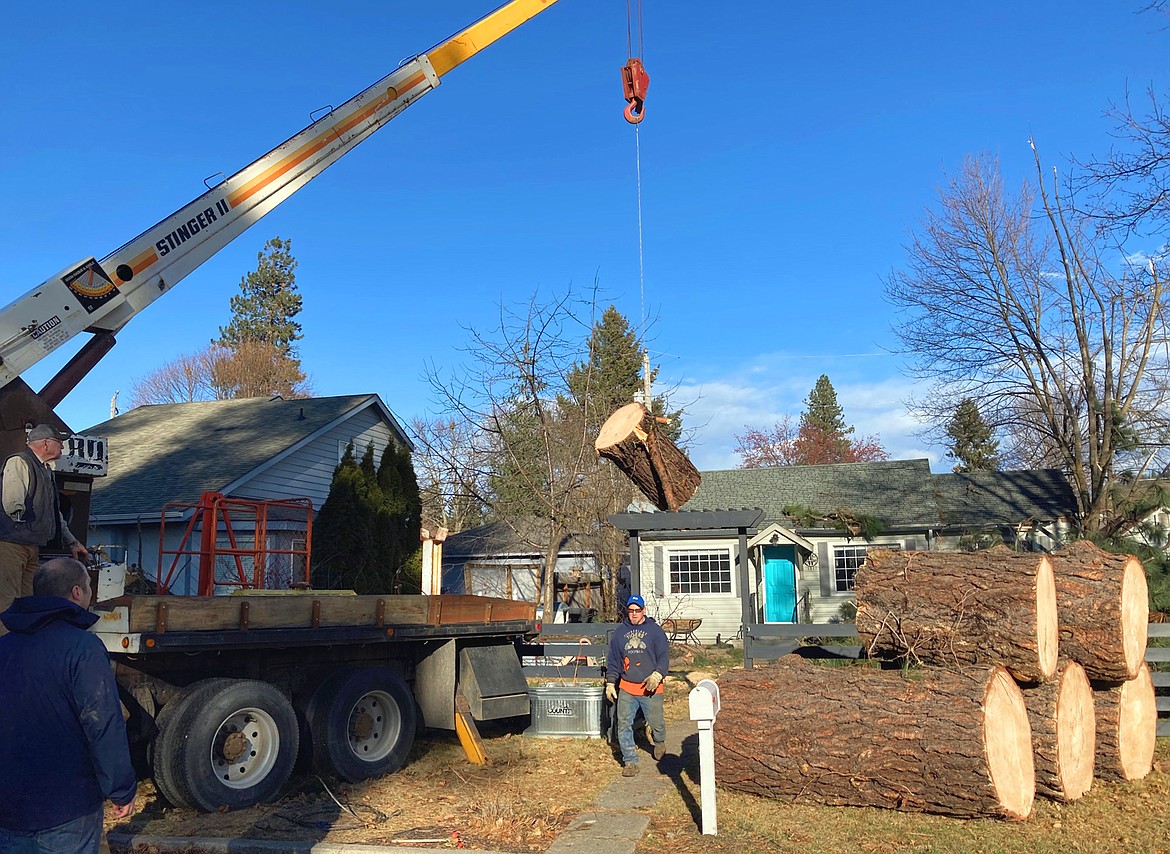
{"x":566,"y":711}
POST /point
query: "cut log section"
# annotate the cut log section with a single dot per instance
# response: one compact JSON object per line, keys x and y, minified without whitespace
{"x":936,"y":741}
{"x":960,"y":608}
{"x":1064,"y":732}
{"x":1104,"y":608}
{"x":630,"y":439}
{"x":1127,"y":728}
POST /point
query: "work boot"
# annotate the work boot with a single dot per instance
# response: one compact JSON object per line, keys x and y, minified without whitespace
{"x":659,"y":751}
{"x":631,"y":770}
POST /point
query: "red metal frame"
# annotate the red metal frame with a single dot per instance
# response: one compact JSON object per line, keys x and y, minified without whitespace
{"x":216,"y":516}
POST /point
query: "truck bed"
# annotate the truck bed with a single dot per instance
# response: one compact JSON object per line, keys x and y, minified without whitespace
{"x":144,"y":623}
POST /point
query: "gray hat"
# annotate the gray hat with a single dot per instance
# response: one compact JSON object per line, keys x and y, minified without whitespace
{"x":47,"y":431}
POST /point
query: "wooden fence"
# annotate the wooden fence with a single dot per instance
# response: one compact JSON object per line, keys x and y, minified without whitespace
{"x":576,"y":652}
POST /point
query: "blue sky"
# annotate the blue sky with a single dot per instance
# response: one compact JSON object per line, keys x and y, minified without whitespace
{"x":788,"y":149}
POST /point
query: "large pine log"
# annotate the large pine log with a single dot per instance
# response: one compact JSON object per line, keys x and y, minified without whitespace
{"x":1064,"y":732}
{"x":1127,"y":727}
{"x":936,"y":741}
{"x":1104,"y":609}
{"x":960,"y":608}
{"x":630,"y":438}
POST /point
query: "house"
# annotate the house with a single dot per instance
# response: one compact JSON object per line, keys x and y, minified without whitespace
{"x":807,"y":529}
{"x":255,"y":448}
{"x":505,"y":560}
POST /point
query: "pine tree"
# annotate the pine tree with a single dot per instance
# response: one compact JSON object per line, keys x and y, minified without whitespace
{"x":268,"y":302}
{"x":823,"y":435}
{"x":611,"y":374}
{"x":971,"y":445}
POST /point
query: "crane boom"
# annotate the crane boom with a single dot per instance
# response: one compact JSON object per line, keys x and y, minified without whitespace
{"x":101,"y":297}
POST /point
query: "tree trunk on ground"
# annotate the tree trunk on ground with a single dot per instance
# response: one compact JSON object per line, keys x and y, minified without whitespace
{"x":960,"y":608}
{"x":930,"y":741}
{"x":1104,"y":609}
{"x":1064,"y":732}
{"x":1127,"y":727}
{"x":630,"y":439}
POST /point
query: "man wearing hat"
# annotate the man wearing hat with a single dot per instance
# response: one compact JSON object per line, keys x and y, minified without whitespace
{"x":637,"y":661}
{"x":30,"y":513}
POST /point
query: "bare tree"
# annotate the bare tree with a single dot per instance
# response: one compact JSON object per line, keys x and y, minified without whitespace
{"x":1011,"y":301}
{"x":249,"y":369}
{"x":452,"y":477}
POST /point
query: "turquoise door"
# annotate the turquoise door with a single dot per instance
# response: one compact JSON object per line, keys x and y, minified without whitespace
{"x":779,"y":584}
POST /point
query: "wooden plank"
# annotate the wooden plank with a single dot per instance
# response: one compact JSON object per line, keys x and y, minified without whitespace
{"x":1159,"y":630}
{"x":296,"y":610}
{"x":1158,"y":653}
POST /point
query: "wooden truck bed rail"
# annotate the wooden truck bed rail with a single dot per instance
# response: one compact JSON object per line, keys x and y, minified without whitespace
{"x":159,"y":615}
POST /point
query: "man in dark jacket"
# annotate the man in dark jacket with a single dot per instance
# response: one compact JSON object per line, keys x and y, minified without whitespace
{"x":30,"y":512}
{"x":637,"y":661}
{"x":63,"y":748}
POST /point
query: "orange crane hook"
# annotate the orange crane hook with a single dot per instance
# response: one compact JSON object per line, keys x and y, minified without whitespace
{"x":635,"y":82}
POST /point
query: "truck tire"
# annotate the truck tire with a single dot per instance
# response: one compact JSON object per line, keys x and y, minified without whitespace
{"x":240,"y":744}
{"x":173,"y":724}
{"x":362,"y":723}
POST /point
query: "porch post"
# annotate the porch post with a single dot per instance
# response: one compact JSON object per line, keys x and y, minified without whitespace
{"x":745,"y":597}
{"x":635,"y":569}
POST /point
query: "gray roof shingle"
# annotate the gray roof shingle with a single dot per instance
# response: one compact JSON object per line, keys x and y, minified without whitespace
{"x":175,"y":452}
{"x":1004,"y":497}
{"x":896,"y":491}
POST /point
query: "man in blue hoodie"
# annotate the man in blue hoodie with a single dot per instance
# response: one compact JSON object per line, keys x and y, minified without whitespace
{"x":637,"y":661}
{"x":63,"y":748}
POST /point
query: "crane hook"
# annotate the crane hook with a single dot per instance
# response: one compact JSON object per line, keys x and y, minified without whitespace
{"x":635,"y":82}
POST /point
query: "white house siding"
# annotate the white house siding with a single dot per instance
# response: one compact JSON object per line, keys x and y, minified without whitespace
{"x":720,"y":612}
{"x":308,"y":471}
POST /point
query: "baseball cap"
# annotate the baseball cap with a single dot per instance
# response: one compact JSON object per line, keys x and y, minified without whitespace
{"x":47,"y":431}
{"x":636,"y":600}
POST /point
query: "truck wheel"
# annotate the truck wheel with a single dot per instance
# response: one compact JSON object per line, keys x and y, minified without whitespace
{"x":240,"y":746}
{"x":362,"y":723}
{"x":173,"y":723}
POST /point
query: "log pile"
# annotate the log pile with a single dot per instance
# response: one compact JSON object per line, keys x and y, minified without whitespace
{"x":630,"y":438}
{"x":1027,"y":677}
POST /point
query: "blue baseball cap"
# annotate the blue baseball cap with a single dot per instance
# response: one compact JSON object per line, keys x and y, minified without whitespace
{"x":636,"y":600}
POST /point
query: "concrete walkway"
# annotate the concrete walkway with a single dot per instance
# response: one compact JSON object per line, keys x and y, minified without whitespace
{"x":618,"y":818}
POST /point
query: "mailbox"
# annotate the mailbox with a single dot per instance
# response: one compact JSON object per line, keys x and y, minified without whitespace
{"x":704,"y":699}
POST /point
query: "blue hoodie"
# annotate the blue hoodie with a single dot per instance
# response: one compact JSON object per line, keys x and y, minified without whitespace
{"x":637,"y":651}
{"x":63,"y":747}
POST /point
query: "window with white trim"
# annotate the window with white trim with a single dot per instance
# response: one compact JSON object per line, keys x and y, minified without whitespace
{"x":846,"y":560}
{"x":700,"y":571}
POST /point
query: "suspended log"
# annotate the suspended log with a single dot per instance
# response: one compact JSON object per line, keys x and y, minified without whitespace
{"x":631,"y":440}
{"x":1064,"y":732}
{"x":1104,"y":608}
{"x":936,"y":741}
{"x":955,"y":609}
{"x":1127,"y":727}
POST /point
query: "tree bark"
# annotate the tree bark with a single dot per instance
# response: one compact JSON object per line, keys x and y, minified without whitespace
{"x":1104,"y":610}
{"x":1064,"y":732}
{"x":935,"y":741}
{"x":630,"y":439}
{"x":956,"y":609}
{"x":1127,"y":727}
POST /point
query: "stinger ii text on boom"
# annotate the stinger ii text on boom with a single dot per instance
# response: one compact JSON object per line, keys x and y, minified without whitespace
{"x":191,"y":227}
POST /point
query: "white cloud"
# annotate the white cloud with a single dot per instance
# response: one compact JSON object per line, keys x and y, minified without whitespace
{"x":760,"y":392}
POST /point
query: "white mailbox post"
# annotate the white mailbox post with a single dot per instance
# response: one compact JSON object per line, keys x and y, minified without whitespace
{"x":704,"y":699}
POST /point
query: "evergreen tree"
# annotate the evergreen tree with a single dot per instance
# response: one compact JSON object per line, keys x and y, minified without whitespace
{"x":268,"y":302}
{"x":971,"y":445}
{"x":823,"y":435}
{"x":366,"y":536}
{"x":611,"y":374}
